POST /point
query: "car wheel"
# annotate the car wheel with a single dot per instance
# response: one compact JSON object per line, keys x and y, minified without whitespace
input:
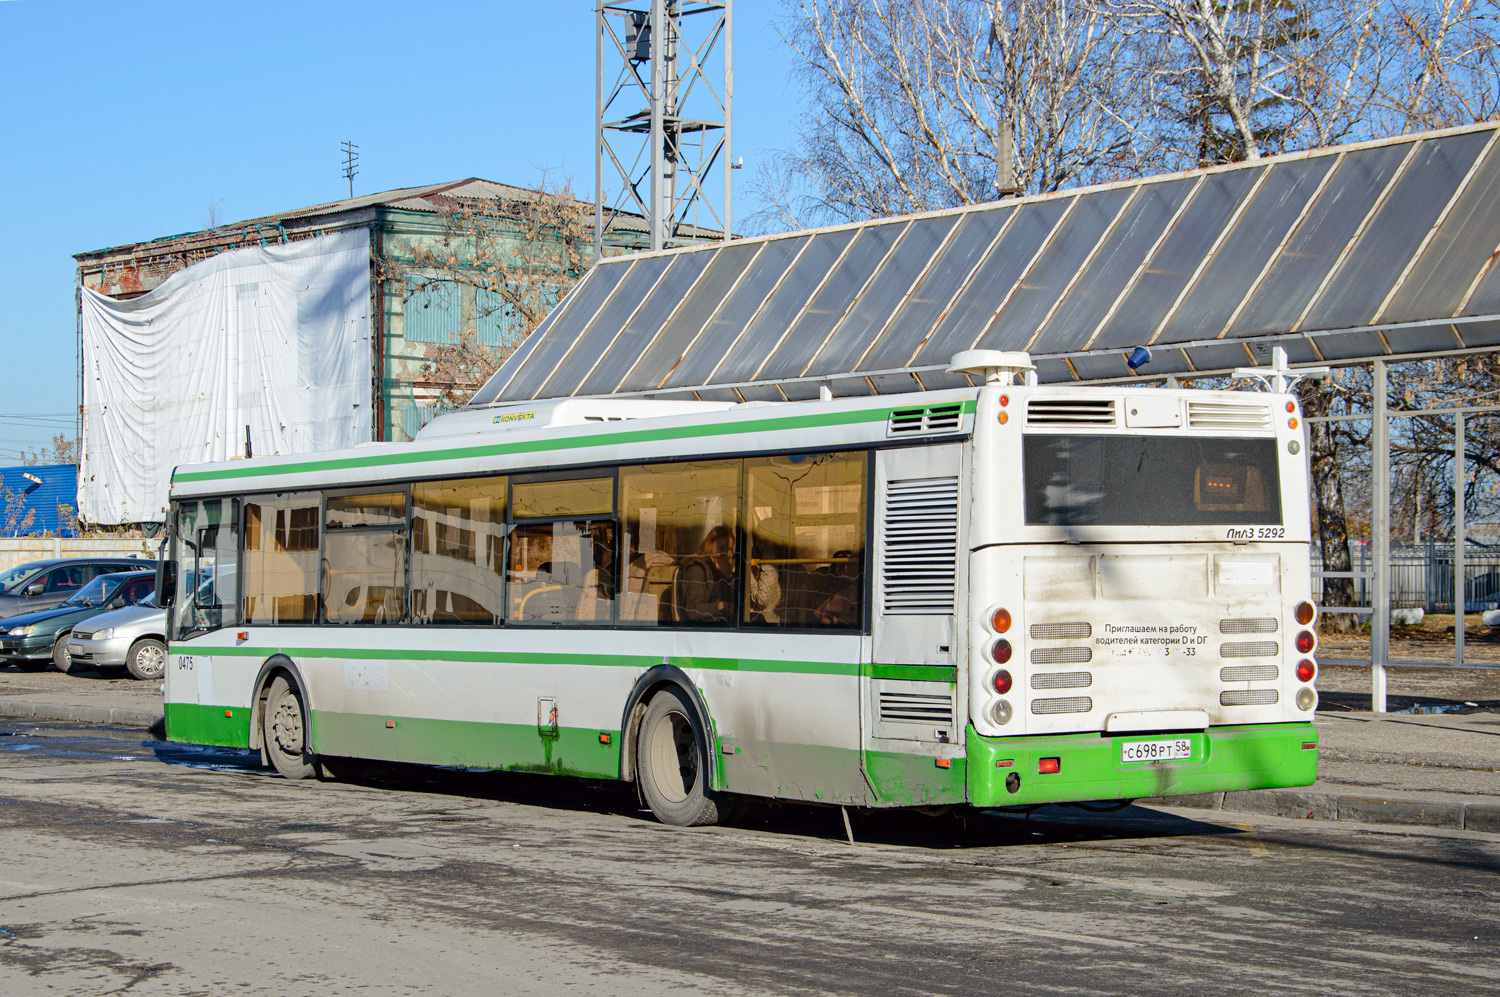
{"x":671,"y":763}
{"x":284,"y":726}
{"x":61,"y":659}
{"x":147,"y":658}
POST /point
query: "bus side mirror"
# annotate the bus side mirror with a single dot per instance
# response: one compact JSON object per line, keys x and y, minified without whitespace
{"x":166,"y":583}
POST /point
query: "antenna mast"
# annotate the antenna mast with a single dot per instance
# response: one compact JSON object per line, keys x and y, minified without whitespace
{"x":351,"y":163}
{"x":661,"y":121}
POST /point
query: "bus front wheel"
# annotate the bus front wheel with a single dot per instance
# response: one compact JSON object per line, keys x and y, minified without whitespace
{"x":671,"y":763}
{"x":284,"y":726}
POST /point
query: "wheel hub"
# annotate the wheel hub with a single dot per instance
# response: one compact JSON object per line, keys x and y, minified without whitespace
{"x":286,"y":726}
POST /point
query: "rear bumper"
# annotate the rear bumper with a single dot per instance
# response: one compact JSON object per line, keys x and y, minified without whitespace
{"x":1258,"y":756}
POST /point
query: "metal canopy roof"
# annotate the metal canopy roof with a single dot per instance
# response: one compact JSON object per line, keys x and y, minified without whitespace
{"x":1380,"y":249}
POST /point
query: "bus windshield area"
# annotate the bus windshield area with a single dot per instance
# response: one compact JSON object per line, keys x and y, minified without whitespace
{"x":1150,"y":481}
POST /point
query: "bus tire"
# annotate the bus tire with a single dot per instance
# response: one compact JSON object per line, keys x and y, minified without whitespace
{"x":284,"y":730}
{"x":672,"y":762}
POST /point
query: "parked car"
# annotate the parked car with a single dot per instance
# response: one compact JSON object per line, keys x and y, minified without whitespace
{"x":41,"y":584}
{"x":30,"y":640}
{"x":132,"y":638}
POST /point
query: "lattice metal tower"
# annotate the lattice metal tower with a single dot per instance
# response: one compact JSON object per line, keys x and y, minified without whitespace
{"x":662,"y":125}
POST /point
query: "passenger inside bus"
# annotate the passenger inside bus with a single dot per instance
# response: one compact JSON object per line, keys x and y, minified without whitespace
{"x":705,"y":582}
{"x":841,"y":608}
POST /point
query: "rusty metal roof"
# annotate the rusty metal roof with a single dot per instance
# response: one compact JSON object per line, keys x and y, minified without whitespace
{"x":1385,"y":248}
{"x":422,"y":198}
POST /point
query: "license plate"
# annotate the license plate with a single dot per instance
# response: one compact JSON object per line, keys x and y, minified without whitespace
{"x":1156,"y":751}
{"x":75,"y":648}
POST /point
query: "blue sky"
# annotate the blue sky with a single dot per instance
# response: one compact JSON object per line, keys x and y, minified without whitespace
{"x":124,"y":121}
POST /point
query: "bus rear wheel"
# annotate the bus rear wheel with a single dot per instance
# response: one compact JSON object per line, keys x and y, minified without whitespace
{"x":284,"y":727}
{"x":671,"y":763}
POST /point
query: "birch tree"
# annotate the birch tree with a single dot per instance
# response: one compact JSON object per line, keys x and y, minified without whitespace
{"x":923,"y":104}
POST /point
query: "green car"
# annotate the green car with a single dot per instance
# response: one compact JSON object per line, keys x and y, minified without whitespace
{"x":30,"y":640}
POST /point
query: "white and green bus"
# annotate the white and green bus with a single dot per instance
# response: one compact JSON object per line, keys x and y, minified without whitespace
{"x":1001,"y":595}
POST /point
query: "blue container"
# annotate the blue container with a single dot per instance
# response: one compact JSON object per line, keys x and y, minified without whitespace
{"x":39,"y":499}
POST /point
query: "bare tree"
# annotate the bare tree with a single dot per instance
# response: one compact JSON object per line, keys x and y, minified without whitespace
{"x":63,"y":450}
{"x":922,"y":104}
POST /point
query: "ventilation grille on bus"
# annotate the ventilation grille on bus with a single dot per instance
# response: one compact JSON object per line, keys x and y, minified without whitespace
{"x":1248,"y":697}
{"x":1249,"y":673}
{"x":923,"y":421}
{"x":1258,"y":625}
{"x":1070,"y":412}
{"x":921,"y":546}
{"x":1063,"y":704}
{"x":1250,"y":649}
{"x":1062,"y":680}
{"x":1228,"y":415}
{"x":1061,"y":655}
{"x":1060,"y":631}
{"x":915,"y":708}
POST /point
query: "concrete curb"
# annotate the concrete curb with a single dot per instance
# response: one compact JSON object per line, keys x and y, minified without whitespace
{"x":1341,"y":807}
{"x":113,"y":716}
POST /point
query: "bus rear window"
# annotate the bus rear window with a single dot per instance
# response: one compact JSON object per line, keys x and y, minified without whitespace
{"x":1150,"y":481}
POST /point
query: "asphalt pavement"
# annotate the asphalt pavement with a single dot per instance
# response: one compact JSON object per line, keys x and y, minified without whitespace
{"x":1435,"y":770}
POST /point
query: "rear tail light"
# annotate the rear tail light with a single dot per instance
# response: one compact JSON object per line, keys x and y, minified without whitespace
{"x":1304,"y":613}
{"x":1306,"y":642}
{"x":1306,"y":698}
{"x":1001,"y":713}
{"x":1001,"y":651}
{"x":1002,"y":681}
{"x":1000,"y":621}
{"x":1306,"y":670}
{"x":1047,"y":766}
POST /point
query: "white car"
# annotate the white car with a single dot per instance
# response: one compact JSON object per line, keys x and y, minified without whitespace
{"x":132,"y":638}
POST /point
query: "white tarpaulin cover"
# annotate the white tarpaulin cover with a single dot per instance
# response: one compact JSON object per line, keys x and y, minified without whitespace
{"x":274,"y":338}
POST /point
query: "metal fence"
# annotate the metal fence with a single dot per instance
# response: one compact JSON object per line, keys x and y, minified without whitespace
{"x":1422,"y":576}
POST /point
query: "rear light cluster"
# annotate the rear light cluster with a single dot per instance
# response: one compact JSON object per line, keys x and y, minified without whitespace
{"x":1307,"y":669}
{"x":1001,"y":652}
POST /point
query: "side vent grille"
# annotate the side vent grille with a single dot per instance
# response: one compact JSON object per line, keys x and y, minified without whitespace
{"x":1250,"y":649}
{"x":1061,"y":655}
{"x":1228,"y":415}
{"x":1248,"y":697}
{"x":921,"y":546}
{"x":1259,"y":625}
{"x":1064,"y":704}
{"x":1249,"y":673}
{"x":1062,"y":680}
{"x":1060,"y":631}
{"x":925,"y":421}
{"x":1070,"y":412}
{"x":915,"y":708}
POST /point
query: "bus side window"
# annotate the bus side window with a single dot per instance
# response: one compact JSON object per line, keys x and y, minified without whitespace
{"x":281,"y":560}
{"x":562,"y":572}
{"x":806,"y":547}
{"x":681,"y":543}
{"x":562,"y":566}
{"x":458,"y":533}
{"x":364,"y":558}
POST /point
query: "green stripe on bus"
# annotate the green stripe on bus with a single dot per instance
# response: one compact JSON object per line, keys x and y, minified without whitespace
{"x":784,"y":424}
{"x":575,"y":751}
{"x":913,"y":673}
{"x":641,"y":661}
{"x":222,"y":726}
